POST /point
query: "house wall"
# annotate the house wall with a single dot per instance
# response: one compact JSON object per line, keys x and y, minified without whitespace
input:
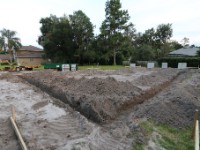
{"x":28,"y":58}
{"x":29,"y":61}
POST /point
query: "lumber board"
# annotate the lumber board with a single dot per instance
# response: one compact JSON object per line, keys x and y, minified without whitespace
{"x":15,"y":127}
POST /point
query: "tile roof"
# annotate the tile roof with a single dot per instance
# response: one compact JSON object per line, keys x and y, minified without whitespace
{"x":29,"y":52}
{"x":30,"y":48}
{"x":186,"y":51}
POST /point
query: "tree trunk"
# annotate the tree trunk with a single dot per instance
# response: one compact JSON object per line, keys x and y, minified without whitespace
{"x":14,"y":55}
{"x":114,"y":57}
{"x":11,"y":55}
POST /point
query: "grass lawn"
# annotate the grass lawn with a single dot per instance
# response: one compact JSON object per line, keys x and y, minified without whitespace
{"x":106,"y":67}
{"x":3,"y":66}
{"x":169,"y":138}
{"x":40,"y":68}
{"x":103,"y":67}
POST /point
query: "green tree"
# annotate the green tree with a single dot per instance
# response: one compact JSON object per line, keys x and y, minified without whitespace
{"x":157,"y":40}
{"x":57,"y":39}
{"x":127,"y":44}
{"x":163,"y":33}
{"x":149,"y":37}
{"x":185,"y":41}
{"x":2,"y":45}
{"x":10,"y":42}
{"x":82,"y":29}
{"x":102,"y":52}
{"x":113,"y":27}
{"x":174,"y":45}
{"x":198,"y":53}
{"x":68,"y":38}
{"x":143,"y":53}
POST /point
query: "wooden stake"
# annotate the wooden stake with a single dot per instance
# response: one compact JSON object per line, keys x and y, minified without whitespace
{"x":197,"y":136}
{"x":194,"y":127}
{"x":13,"y":113}
{"x":22,"y":143}
{"x":15,"y":127}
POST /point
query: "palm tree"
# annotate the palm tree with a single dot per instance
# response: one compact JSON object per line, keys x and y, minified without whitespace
{"x":9,"y":42}
{"x":2,"y":43}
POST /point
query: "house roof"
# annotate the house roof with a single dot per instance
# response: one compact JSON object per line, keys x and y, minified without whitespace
{"x":186,"y":51}
{"x":30,"y":48}
{"x":29,"y":52}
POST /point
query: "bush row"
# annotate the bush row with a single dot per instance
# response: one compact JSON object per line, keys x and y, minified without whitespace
{"x":173,"y":61}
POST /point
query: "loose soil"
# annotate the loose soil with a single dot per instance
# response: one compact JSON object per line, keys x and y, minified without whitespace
{"x":98,"y":98}
{"x":176,"y":104}
{"x":94,"y":109}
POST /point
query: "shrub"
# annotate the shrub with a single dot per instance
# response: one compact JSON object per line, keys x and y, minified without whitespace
{"x":173,"y":61}
{"x":125,"y":63}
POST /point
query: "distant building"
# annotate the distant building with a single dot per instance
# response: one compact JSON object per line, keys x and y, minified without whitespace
{"x":4,"y":56}
{"x":185,"y":52}
{"x":29,"y":55}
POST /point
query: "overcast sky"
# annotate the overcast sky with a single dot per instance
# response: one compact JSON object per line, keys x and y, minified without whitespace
{"x":23,"y":16}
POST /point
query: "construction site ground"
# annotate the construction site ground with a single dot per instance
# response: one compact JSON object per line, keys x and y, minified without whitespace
{"x":94,"y":109}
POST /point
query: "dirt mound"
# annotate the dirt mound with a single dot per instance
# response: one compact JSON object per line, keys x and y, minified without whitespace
{"x":175,"y":105}
{"x":157,"y":77}
{"x":170,"y":99}
{"x":97,"y":99}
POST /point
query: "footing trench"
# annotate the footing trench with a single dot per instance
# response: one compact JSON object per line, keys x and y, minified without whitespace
{"x":99,"y":100}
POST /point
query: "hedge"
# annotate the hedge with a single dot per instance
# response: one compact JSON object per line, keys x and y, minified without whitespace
{"x":173,"y":61}
{"x":2,"y":52}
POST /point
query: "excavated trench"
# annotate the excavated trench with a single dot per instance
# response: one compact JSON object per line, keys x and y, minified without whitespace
{"x":99,"y":100}
{"x":165,"y":96}
{"x":148,"y":94}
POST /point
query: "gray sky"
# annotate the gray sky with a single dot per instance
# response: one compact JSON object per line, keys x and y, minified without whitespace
{"x":23,"y":16}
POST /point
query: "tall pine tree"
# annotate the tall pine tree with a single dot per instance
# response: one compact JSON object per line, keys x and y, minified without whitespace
{"x":113,"y":27}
